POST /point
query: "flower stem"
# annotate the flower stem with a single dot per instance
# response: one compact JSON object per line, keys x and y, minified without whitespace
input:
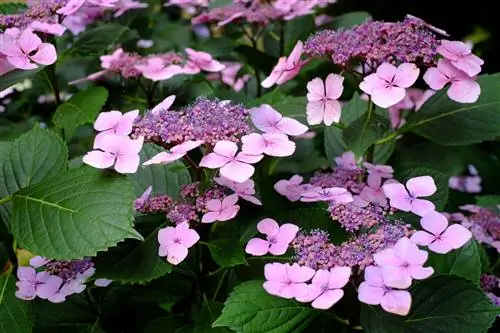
{"x":50,"y":76}
{"x":282,"y":38}
{"x":371,"y":150}
{"x":5,"y":199}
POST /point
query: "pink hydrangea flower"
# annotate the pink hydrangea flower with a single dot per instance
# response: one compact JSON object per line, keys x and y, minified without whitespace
{"x":335,"y":194}
{"x":120,"y":151}
{"x":245,"y":190}
{"x":347,"y":161}
{"x":277,"y":241}
{"x":268,"y":120}
{"x":221,"y":210}
{"x":285,"y":280}
{"x":233,"y":166}
{"x":292,"y":188}
{"x":271,"y":144}
{"x":438,"y":236}
{"x":388,"y":85}
{"x":373,"y":291}
{"x":378,"y":171}
{"x":175,"y":242}
{"x":460,"y":55}
{"x":407,"y":199}
{"x":124,"y":5}
{"x":114,"y":122}
{"x":27,"y":50}
{"x":463,"y":88}
{"x":287,"y":68}
{"x":373,"y":191}
{"x":322,"y":97}
{"x":31,"y":284}
{"x":48,"y":28}
{"x":403,"y":263}
{"x":326,"y":287}
{"x":198,"y":61}
{"x":155,"y":69}
{"x":174,"y":154}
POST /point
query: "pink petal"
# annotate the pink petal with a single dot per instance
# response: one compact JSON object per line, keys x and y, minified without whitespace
{"x":421,"y":273}
{"x":339,"y":277}
{"x":397,"y":302}
{"x":247,"y":158}
{"x":451,"y":50}
{"x":71,"y":7}
{"x":373,"y":276}
{"x":387,"y":71}
{"x":315,"y":112}
{"x":386,"y":257}
{"x":309,"y":293}
{"x":396,"y":277}
{"x":316,"y":90}
{"x":52,"y":29}
{"x":99,"y":159}
{"x":163,"y":158}
{"x":286,"y":233}
{"x":124,"y":125}
{"x":280,"y":289}
{"x":278,"y":145}
{"x":166,"y":235}
{"x":164,"y":105}
{"x":291,"y":126}
{"x":28,"y":41}
{"x":128,"y":163}
{"x":49,"y":288}
{"x":327,"y":299}
{"x":435,"y":79}
{"x":278,"y":249}
{"x":268,"y":227}
{"x":265,"y":118}
{"x":371,"y":82}
{"x":46,"y":54}
{"x":9,"y":47}
{"x":388,"y":96}
{"x":107,"y":120}
{"x":332,"y":112}
{"x":188,"y":237}
{"x":275,"y":73}
{"x":296,"y":53}
{"x":300,"y":273}
{"x":257,"y":247}
{"x":434,"y":222}
{"x":456,"y":235}
{"x":210,"y":217}
{"x":25,"y":273}
{"x":250,"y":198}
{"x":369,"y":294}
{"x":226,"y":148}
{"x":176,"y":253}
{"x":275,"y":271}
{"x":37,"y":262}
{"x":422,"y":238}
{"x":468,"y":64}
{"x":397,"y":195}
{"x":229,"y":213}
{"x":464,"y":91}
{"x":237,"y":171}
{"x":334,"y":86}
{"x":404,"y":250}
{"x":421,"y":207}
{"x":406,"y":75}
{"x":214,"y":205}
{"x":21,"y":62}
{"x":253,"y":144}
{"x":229,"y":201}
{"x":422,"y":186}
{"x":213,"y":161}
{"x":26,"y":290}
{"x":213,"y":66}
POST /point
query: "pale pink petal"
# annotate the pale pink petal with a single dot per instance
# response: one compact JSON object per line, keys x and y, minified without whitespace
{"x":166,"y":235}
{"x":435,"y":79}
{"x":373,"y":276}
{"x":308,"y":294}
{"x":275,"y":73}
{"x":164,"y":105}
{"x":99,"y":159}
{"x":107,"y":120}
{"x":250,"y":198}
{"x":339,"y":277}
{"x":257,"y":247}
{"x":388,"y":96}
{"x":127,"y":163}
{"x":332,"y":112}
{"x":422,"y":186}
{"x":334,"y":86}
{"x":396,"y":277}
{"x":278,"y":249}
{"x":397,"y":302}
{"x":71,"y":7}
{"x":277,"y":289}
{"x":387,"y":71}
{"x":406,"y":75}
{"x":386,"y":257}
{"x":370,"y":294}
{"x":287,"y":233}
{"x":275,"y":271}
{"x":265,"y":118}
{"x":214,"y":205}
{"x":229,"y":201}
{"x":210,"y":217}
{"x":213,"y":161}
{"x":278,"y":145}
{"x":186,"y":146}
{"x":189,"y":237}
{"x":124,"y":125}
{"x":316,"y":90}
{"x":237,"y":171}
{"x":315,"y":112}
{"x":37,"y":261}
{"x":25,"y":273}
{"x":253,"y":144}
{"x":397,"y":195}
{"x":26,"y":290}
{"x":422,"y":238}
{"x":291,"y":126}
{"x":176,"y":253}
{"x":421,"y":273}
{"x":421,"y":207}
{"x":268,"y":227}
{"x":53,"y":29}
{"x":45,"y":55}
{"x":456,"y":235}
{"x":300,"y":273}
{"x":464,"y":91}
{"x":247,"y":158}
{"x":296,"y":53}
{"x":371,"y":82}
{"x":9,"y":47}
{"x":163,"y":158}
{"x":229,"y":213}
{"x":226,"y":148}
{"x":327,"y":299}
{"x":404,"y":248}
{"x":21,"y":62}
{"x":434,"y":222}
{"x":49,"y":287}
{"x":28,"y":41}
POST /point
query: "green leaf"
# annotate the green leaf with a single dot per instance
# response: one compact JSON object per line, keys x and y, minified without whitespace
{"x":11,"y":78}
{"x":13,"y":7}
{"x":174,"y":324}
{"x":350,"y":20}
{"x":74,"y":311}
{"x":293,"y":107}
{"x":383,"y":152}
{"x":80,"y":109}
{"x":165,"y":179}
{"x":74,"y":215}
{"x":464,"y":262}
{"x":133,"y":262}
{"x":35,"y":156}
{"x":257,"y":59}
{"x":443,"y":304}
{"x":227,"y":252}
{"x":273,"y":97}
{"x":16,"y":315}
{"x":219,"y":3}
{"x":297,"y":29}
{"x":210,"y":311}
{"x":441,"y":196}
{"x":488,"y":201}
{"x":250,"y":309}
{"x":363,"y":132}
{"x":449,"y":123}
{"x":96,"y":40}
